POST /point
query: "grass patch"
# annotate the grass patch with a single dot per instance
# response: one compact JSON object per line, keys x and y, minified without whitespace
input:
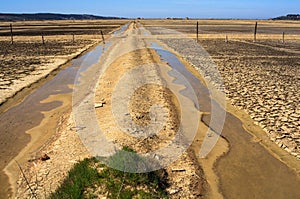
{"x":91,"y":179}
{"x":79,"y":177}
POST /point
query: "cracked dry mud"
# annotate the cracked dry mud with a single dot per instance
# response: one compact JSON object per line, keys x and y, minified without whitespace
{"x":25,"y":63}
{"x":245,"y":151}
{"x":184,"y":174}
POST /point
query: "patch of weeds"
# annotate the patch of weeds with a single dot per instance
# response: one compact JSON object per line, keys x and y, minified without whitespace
{"x":80,"y":176}
{"x":91,"y":178}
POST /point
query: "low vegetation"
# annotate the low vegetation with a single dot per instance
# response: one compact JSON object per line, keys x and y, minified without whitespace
{"x":91,"y":179}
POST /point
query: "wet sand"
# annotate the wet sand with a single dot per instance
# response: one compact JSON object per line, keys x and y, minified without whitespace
{"x":241,"y":167}
{"x":244,"y":163}
{"x":186,"y":163}
{"x":43,"y":107}
{"x":40,"y":105}
{"x":248,"y":169}
{"x":60,"y":128}
{"x":255,"y":171}
{"x":15,"y":134}
{"x":187,"y":181}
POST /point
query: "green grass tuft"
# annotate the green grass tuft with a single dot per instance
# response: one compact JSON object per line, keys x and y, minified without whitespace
{"x":90,"y":178}
{"x":79,"y":177}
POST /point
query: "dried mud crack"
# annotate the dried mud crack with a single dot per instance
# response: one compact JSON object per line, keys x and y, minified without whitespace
{"x":244,"y":163}
{"x":184,"y":176}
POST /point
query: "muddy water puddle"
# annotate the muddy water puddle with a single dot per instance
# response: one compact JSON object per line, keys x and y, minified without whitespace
{"x":30,"y":112}
{"x":122,"y":29}
{"x":248,"y":170}
{"x":198,"y":87}
{"x":54,"y":97}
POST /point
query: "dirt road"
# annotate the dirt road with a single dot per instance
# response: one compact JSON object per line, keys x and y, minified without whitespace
{"x":131,"y":96}
{"x":129,"y":51}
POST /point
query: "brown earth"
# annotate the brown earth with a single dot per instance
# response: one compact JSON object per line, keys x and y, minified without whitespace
{"x":258,"y":77}
{"x":20,"y":76}
{"x":184,"y":174}
{"x":29,"y":60}
{"x":188,"y":160}
{"x":65,"y":27}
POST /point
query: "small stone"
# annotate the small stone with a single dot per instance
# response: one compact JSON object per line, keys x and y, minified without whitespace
{"x":98,"y":105}
{"x":294,"y":154}
{"x":45,"y":157}
{"x":174,"y":191}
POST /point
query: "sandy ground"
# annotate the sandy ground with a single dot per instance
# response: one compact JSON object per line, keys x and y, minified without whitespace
{"x":60,"y":27}
{"x":47,"y":65}
{"x":49,"y":125}
{"x":242,"y":134}
{"x":46,"y":176}
{"x":184,"y":174}
{"x":29,"y":60}
{"x":181,"y":177}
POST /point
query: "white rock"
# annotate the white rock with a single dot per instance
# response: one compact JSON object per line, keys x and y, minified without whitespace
{"x":98,"y":105}
{"x":174,"y":191}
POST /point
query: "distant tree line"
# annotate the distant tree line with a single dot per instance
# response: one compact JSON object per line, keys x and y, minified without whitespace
{"x":50,"y":16}
{"x":288,"y":17}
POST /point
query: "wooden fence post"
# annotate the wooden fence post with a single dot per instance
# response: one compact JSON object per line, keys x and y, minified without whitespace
{"x":11,"y":34}
{"x":283,"y":39}
{"x":103,"y":39}
{"x":43,"y":40}
{"x":73,"y":38}
{"x":226,"y":39}
{"x":197,"y":32}
{"x":255,"y":32}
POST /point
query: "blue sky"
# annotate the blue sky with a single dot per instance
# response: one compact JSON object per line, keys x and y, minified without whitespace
{"x":158,"y":8}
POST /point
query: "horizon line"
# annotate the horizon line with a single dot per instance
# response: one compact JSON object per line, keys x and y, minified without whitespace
{"x":169,"y":17}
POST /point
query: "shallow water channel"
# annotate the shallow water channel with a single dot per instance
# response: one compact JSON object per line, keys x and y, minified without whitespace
{"x":248,"y":170}
{"x":29,"y":113}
